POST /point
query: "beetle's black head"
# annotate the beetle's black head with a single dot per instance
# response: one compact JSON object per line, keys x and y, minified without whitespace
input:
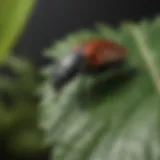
{"x":66,"y":69}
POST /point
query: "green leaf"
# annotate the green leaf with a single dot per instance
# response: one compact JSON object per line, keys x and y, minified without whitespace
{"x":26,"y":141}
{"x":13,"y":16}
{"x":112,"y":116}
{"x":19,"y":108}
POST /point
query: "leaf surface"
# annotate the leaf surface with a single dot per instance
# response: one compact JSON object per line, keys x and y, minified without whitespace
{"x":114,"y":116}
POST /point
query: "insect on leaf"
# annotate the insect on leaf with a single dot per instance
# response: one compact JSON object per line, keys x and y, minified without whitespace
{"x":113,"y":116}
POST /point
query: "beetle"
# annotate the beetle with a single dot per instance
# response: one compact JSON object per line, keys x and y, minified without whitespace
{"x":91,"y":56}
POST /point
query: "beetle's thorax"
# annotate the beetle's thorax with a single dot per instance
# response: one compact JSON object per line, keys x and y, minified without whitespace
{"x":67,"y":68}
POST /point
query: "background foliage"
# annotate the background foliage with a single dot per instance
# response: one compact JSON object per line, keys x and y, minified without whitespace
{"x":111,"y":116}
{"x":19,"y":133}
{"x":13,"y":17}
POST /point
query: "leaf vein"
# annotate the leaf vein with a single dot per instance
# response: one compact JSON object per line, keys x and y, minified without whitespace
{"x":146,"y":55}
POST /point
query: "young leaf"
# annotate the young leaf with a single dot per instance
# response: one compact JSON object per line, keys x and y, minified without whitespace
{"x":13,"y":15}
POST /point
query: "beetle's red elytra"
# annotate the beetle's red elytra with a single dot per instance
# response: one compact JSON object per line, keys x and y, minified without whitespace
{"x":90,"y":54}
{"x":101,"y":51}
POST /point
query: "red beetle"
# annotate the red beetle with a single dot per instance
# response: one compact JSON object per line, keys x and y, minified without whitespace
{"x":92,"y":56}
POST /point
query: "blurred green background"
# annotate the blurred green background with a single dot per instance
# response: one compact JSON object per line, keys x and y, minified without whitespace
{"x":19,"y":78}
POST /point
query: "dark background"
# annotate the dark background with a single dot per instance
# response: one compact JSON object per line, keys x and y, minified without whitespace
{"x":53,"y":19}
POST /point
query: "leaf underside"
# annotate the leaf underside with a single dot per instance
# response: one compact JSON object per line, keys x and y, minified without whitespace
{"x":114,"y":116}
